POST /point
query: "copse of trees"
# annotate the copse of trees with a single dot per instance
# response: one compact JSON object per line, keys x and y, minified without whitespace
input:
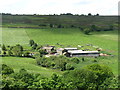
{"x":103,"y":72}
{"x":90,"y":77}
{"x":94,"y":28}
{"x":12,"y":50}
{"x":17,"y":50}
{"x":58,"y":62}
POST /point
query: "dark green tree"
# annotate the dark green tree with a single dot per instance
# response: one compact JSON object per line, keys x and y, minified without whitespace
{"x":97,"y":14}
{"x":31,"y":42}
{"x":89,"y":14}
{"x":9,"y":52}
{"x":59,"y":26}
{"x":93,"y":28}
{"x":51,"y":25}
{"x":86,"y":31}
{"x":42,"y":52}
{"x":4,"y":48}
{"x":4,"y":53}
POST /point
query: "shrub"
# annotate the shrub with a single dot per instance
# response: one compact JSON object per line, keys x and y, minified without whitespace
{"x":75,"y":60}
{"x":6,"y":69}
{"x":86,"y":31}
{"x":69,"y":66}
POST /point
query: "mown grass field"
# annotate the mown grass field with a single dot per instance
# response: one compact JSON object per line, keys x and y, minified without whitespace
{"x":108,"y":41}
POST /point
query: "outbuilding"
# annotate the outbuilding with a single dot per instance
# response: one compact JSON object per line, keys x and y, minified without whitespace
{"x":48,"y":49}
{"x":80,"y":53}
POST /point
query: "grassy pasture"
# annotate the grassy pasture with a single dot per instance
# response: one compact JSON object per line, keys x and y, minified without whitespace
{"x":29,"y":64}
{"x":73,"y":37}
{"x":106,"y":40}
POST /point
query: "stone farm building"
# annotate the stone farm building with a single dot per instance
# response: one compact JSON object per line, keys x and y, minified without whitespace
{"x":48,"y":49}
{"x":61,"y":51}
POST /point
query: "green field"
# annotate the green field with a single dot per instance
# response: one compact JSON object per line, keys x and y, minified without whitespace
{"x":105,"y":40}
{"x":29,"y":64}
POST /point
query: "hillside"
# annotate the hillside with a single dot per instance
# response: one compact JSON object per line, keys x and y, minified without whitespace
{"x":66,"y":21}
{"x":65,"y":37}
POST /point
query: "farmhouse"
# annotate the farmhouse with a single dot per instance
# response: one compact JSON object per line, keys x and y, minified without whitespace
{"x":48,"y":49}
{"x":79,"y":53}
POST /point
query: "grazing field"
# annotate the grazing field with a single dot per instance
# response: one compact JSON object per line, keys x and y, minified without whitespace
{"x":29,"y":64}
{"x":106,"y":40}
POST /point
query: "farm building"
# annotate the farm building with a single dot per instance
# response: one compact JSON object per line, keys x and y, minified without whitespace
{"x":79,"y":53}
{"x":49,"y":49}
{"x":70,"y":49}
{"x":60,"y":51}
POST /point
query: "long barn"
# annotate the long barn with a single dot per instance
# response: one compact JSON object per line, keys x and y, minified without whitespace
{"x":79,"y":53}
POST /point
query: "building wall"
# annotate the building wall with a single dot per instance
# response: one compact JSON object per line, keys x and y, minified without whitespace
{"x":91,"y":55}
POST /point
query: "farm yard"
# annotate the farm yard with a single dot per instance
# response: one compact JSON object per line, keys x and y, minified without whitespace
{"x":62,"y":38}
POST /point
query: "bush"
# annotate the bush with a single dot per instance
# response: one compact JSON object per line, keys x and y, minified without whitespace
{"x":69,"y":66}
{"x":86,"y":31}
{"x":6,"y":69}
{"x":75,"y":60}
{"x":26,"y":54}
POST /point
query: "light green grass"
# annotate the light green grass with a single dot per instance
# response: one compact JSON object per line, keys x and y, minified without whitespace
{"x":15,"y":36}
{"x":29,"y":64}
{"x":65,"y":37}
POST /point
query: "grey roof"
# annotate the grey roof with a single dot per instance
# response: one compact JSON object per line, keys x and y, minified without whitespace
{"x":70,"y":48}
{"x":47,"y":48}
{"x":80,"y":51}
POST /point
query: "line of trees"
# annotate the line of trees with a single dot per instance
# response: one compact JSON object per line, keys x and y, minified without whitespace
{"x":18,"y":49}
{"x":94,"y":28}
{"x":12,"y":50}
{"x":89,"y":14}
